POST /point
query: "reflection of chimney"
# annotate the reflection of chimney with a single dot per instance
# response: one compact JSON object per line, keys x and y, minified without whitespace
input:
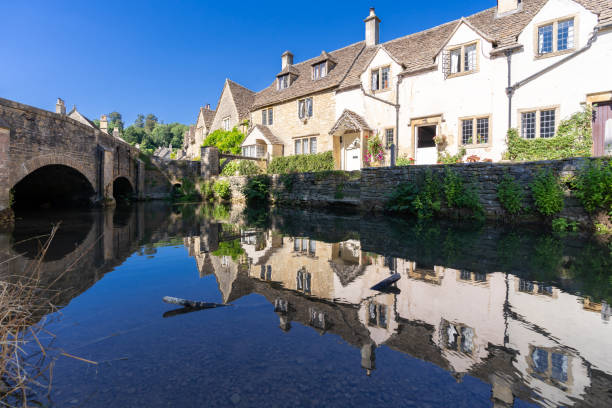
{"x":285,"y":323}
{"x":368,"y":358}
{"x":60,"y":107}
{"x":103,"y":123}
{"x":372,"y":23}
{"x":286,"y":59}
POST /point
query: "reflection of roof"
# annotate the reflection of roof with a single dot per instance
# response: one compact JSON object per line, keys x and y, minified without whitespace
{"x":347,"y":273}
{"x":267,"y":133}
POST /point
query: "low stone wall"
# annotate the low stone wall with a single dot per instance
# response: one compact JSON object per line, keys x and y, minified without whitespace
{"x":367,"y":190}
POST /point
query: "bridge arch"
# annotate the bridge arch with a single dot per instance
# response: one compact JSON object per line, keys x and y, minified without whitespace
{"x":37,"y":162}
{"x":123,"y":189}
{"x":52,"y":185}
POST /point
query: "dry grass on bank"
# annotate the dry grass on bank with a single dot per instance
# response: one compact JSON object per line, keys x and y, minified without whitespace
{"x":21,"y":308}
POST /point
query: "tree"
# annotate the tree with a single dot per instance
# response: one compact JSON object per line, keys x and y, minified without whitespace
{"x":139,"y":122}
{"x":134,"y":135}
{"x":227,"y":141}
{"x":150,"y":122}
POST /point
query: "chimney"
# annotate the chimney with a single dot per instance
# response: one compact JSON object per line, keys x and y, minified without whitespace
{"x":60,"y":107}
{"x":116,"y":132}
{"x":507,"y":6}
{"x":104,"y":124}
{"x":372,"y":30}
{"x":286,"y":59}
{"x":207,"y":107}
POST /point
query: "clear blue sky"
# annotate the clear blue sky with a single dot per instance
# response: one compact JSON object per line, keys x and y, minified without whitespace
{"x":171,"y":57}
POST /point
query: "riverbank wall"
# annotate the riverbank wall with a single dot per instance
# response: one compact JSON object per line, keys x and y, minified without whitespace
{"x":368,"y":190}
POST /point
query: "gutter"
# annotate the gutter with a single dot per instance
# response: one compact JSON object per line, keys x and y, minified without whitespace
{"x":512,"y":88}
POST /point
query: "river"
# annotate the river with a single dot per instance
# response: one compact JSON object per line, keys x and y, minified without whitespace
{"x":481,"y":315}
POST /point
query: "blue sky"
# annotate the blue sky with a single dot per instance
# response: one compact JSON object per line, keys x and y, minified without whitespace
{"x":171,"y":57}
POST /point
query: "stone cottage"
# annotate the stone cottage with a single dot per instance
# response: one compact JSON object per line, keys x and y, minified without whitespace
{"x":522,"y":64}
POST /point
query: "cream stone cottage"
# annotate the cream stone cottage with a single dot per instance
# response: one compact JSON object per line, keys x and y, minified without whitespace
{"x":522,"y":64}
{"x":195,"y":135}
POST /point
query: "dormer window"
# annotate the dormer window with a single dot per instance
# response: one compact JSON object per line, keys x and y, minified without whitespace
{"x":554,"y":37}
{"x":463,"y":59}
{"x":283,"y":81}
{"x":319,"y":70}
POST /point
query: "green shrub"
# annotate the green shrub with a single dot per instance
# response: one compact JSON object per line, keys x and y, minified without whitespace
{"x":404,"y":161}
{"x":187,"y":191}
{"x":459,"y":194}
{"x":402,"y":199}
{"x":447,"y":158}
{"x":302,"y":163}
{"x":547,"y":193}
{"x":216,"y":212}
{"x":206,"y":190}
{"x":562,"y":225}
{"x":241,"y":168}
{"x":510,"y":195}
{"x":227,"y":141}
{"x":222,"y":189}
{"x":229,"y":248}
{"x":257,"y":189}
{"x":428,"y":201}
{"x":339,"y":194}
{"x":573,"y":139}
{"x":593,"y":187}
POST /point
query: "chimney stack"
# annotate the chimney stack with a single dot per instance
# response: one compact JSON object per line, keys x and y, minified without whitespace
{"x":116,"y":132}
{"x":207,"y":106}
{"x":286,"y":59}
{"x":507,"y":6}
{"x":372,"y":23}
{"x":104,"y":124}
{"x":60,"y":106}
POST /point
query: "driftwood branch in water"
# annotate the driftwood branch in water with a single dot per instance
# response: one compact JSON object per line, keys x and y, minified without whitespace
{"x":191,"y":303}
{"x":385,"y":285}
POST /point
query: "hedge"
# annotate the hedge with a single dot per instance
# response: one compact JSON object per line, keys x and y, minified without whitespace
{"x":302,"y":163}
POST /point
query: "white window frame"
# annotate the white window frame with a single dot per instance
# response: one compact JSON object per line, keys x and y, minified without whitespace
{"x":555,"y":37}
{"x":304,"y":145}
{"x":319,"y":70}
{"x":389,"y":132}
{"x":267,"y":117}
{"x":538,"y":113}
{"x":303,"y":108}
{"x":226,"y":123}
{"x":283,"y":82}
{"x":379,"y":85}
{"x":462,"y":60}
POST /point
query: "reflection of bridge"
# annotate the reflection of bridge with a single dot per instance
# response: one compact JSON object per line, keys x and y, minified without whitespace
{"x":526,"y":339}
{"x":51,"y":154}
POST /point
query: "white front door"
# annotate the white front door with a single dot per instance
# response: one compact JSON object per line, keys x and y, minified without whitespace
{"x":426,"y":151}
{"x":352,"y":158}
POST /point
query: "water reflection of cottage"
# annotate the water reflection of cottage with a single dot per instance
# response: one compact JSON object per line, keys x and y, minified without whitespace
{"x":527,"y":339}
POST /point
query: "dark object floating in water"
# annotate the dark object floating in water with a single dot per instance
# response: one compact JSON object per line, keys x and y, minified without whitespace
{"x":385,"y":285}
{"x":191,"y":303}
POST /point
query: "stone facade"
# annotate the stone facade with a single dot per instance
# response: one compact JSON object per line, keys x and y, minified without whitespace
{"x":38,"y":138}
{"x":288,"y":127}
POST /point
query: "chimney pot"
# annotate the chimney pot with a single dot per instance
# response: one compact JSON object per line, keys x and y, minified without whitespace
{"x":116,"y":132}
{"x":60,"y":106}
{"x":372,"y":28}
{"x":286,"y":59}
{"x":207,"y":106}
{"x":104,"y":124}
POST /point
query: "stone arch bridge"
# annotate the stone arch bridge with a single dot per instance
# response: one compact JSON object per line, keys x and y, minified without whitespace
{"x":60,"y":155}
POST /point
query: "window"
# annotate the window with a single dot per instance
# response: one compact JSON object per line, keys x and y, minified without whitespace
{"x":267,"y":117}
{"x":256,"y":150}
{"x":303,"y":281}
{"x":226,"y":123}
{"x":305,"y":108}
{"x":475,"y":131}
{"x":380,"y":79}
{"x":549,"y":365}
{"x":457,"y":337}
{"x":377,"y":315}
{"x":319,"y":70}
{"x":462,"y":59}
{"x":555,"y":36}
{"x":307,"y":145}
{"x":389,"y":139}
{"x":283,"y":81}
{"x":538,"y":123}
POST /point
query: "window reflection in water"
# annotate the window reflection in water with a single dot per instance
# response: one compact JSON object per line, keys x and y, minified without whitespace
{"x":377,"y":315}
{"x":303,"y":281}
{"x":458,"y":337}
{"x":549,"y":365}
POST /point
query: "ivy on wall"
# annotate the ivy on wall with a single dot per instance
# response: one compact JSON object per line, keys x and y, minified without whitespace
{"x":573,"y":139}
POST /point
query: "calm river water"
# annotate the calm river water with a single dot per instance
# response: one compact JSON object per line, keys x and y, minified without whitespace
{"x":481,"y":316}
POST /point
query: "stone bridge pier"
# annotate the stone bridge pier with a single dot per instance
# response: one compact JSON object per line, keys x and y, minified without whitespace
{"x":50,"y":159}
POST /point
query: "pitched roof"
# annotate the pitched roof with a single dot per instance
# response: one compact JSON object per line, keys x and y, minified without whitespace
{"x":304,"y":84}
{"x":208,"y":116}
{"x":416,"y":52}
{"x":78,"y":116}
{"x":349,"y":120}
{"x":272,"y":138}
{"x":243,"y":99}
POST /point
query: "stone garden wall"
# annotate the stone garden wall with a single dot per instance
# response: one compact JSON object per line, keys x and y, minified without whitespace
{"x":367,"y":190}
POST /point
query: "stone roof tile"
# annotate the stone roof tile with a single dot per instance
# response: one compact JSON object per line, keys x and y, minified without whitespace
{"x":243,"y":99}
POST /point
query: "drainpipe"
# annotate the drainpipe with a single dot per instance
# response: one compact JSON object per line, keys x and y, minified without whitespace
{"x":395,"y":105}
{"x":511,"y":89}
